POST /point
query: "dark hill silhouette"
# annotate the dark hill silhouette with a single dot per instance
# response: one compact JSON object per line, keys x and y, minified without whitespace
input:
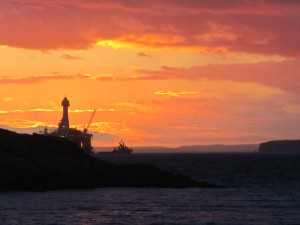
{"x":39,"y":163}
{"x":280,"y":146}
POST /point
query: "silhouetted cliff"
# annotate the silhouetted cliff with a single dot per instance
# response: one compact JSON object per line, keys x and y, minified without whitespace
{"x":283,"y":146}
{"x":38,"y":163}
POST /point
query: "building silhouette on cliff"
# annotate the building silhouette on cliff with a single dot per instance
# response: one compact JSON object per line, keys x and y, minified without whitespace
{"x":81,"y":138}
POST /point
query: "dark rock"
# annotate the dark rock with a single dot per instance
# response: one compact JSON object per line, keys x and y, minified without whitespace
{"x":280,"y":146}
{"x":39,"y":163}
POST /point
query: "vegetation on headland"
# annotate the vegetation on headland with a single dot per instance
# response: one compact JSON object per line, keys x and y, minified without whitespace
{"x":40,"y":163}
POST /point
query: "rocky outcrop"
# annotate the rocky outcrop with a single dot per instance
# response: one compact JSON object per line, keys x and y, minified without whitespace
{"x":39,"y":163}
{"x":280,"y":146}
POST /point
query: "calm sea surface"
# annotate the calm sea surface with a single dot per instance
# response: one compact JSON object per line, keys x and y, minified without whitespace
{"x":261,"y":189}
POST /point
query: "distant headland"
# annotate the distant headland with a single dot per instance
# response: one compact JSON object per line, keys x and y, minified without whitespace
{"x":220,"y":148}
{"x":280,"y":146}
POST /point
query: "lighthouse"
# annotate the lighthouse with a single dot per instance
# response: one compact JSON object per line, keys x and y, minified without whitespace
{"x":64,"y":122}
{"x":81,"y":138}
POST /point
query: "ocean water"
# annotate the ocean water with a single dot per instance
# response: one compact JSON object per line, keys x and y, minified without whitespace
{"x":260,"y":189}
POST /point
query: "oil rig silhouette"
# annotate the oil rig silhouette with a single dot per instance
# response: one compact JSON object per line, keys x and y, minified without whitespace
{"x":81,"y":138}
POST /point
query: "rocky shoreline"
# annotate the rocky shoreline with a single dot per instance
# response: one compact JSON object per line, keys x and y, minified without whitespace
{"x":40,"y":163}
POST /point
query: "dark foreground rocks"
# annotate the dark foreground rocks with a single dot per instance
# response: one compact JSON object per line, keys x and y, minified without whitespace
{"x":40,"y":163}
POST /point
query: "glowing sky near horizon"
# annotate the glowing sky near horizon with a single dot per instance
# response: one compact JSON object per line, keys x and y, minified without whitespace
{"x":168,"y":72}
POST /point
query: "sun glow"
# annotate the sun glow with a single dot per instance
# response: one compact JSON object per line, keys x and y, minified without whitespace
{"x":156,"y":74}
{"x":115,"y":44}
{"x":156,"y":42}
{"x":176,"y":93}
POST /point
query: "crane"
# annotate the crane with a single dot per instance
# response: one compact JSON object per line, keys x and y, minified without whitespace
{"x":87,"y":127}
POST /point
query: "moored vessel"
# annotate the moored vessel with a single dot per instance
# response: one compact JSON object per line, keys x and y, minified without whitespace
{"x":122,"y":149}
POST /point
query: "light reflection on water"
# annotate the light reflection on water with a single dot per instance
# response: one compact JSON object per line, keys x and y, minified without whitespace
{"x":149,"y":206}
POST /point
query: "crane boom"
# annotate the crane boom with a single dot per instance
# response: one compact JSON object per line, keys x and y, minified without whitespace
{"x":87,"y":127}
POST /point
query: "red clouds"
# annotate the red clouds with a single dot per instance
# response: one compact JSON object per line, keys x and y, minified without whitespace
{"x":259,"y":27}
{"x":283,"y":75}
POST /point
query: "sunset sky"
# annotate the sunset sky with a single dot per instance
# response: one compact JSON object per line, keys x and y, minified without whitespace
{"x":165,"y":72}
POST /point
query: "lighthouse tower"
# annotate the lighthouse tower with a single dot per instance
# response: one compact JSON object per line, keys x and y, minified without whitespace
{"x":81,"y":138}
{"x":64,"y":122}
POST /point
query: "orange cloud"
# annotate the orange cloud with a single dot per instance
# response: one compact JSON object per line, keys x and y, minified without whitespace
{"x":11,"y":111}
{"x":55,"y":110}
{"x":36,"y":79}
{"x":148,"y":41}
{"x":283,"y":75}
{"x":142,"y":54}
{"x":70,"y":57}
{"x":176,"y":93}
{"x":7,"y":99}
{"x":22,"y":123}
